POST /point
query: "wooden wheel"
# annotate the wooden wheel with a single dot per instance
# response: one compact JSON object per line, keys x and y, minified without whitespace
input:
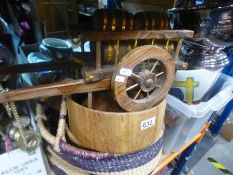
{"x":143,"y":78}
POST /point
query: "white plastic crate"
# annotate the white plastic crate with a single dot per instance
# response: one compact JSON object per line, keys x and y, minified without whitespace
{"x":190,"y":119}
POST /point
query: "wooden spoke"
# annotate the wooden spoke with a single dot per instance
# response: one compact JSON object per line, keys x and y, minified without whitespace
{"x":136,"y":96}
{"x":131,"y":87}
{"x":154,"y":66}
{"x":147,"y":95}
{"x":148,"y":62}
{"x":144,"y":66}
{"x":158,"y":86}
{"x":135,"y":75}
{"x":159,"y":74}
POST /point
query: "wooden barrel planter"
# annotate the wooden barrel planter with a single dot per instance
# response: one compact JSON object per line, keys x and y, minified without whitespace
{"x":151,"y":21}
{"x":112,"y":20}
{"x":115,"y":132}
{"x":113,"y":51}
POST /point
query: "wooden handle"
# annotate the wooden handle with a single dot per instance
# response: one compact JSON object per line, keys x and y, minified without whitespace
{"x":54,"y":89}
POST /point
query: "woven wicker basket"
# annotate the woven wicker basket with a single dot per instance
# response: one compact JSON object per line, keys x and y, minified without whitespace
{"x":138,"y":163}
{"x":67,"y":159}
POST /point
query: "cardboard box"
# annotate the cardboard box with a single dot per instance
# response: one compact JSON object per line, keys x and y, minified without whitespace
{"x":18,"y":162}
{"x":227,"y":131}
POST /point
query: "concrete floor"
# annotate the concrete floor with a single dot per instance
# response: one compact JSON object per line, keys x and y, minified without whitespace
{"x":198,"y":164}
{"x":214,"y":147}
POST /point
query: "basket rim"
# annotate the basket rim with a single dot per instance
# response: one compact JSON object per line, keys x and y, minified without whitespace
{"x":116,"y":113}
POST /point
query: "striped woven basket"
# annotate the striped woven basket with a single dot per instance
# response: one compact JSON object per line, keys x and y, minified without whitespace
{"x":66,"y":159}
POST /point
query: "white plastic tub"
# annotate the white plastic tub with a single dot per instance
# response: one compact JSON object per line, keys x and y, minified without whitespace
{"x":190,"y":119}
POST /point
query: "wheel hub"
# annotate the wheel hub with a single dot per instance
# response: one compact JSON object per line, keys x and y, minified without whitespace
{"x":148,"y":81}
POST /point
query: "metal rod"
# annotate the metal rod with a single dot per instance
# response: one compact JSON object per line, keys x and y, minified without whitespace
{"x":44,"y":66}
{"x":190,"y":42}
